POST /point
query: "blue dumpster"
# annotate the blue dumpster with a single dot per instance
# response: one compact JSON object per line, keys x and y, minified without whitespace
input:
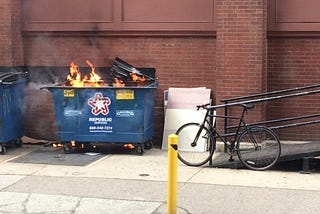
{"x":105,"y":114}
{"x":12,"y":100}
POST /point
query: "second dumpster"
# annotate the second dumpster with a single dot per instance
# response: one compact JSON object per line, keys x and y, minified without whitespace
{"x":12,"y":98}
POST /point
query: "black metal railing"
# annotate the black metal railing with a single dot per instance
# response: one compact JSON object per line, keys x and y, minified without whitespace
{"x":268,"y":96}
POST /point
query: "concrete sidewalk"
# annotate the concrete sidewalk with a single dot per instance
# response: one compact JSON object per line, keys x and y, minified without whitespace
{"x":127,"y":183}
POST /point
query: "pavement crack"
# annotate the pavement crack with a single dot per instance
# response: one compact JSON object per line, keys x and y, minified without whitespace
{"x":14,"y":179}
{"x":24,"y":204}
{"x":194,"y":174}
{"x":77,"y":205}
{"x":163,"y":207}
{"x":158,"y":209}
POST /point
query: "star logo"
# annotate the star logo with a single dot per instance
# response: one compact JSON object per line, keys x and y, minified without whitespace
{"x":99,"y":104}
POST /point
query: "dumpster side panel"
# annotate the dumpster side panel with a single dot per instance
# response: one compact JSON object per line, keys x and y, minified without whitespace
{"x":149,"y":103}
{"x":2,"y":112}
{"x":12,"y":110}
{"x":129,"y":115}
{"x":104,"y":114}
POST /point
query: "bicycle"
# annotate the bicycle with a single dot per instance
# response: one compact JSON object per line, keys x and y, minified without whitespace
{"x":257,"y":147}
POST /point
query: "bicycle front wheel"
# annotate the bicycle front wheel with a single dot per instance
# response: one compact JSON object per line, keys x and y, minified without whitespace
{"x":201,"y":152}
{"x":258,"y":148}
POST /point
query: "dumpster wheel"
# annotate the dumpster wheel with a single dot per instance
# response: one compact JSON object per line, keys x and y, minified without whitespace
{"x":68,"y":148}
{"x":148,"y":145}
{"x":139,"y":149}
{"x":2,"y":150}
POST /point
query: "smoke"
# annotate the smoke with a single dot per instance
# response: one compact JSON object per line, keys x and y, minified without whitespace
{"x":47,"y":74}
{"x":31,"y":86}
{"x":39,"y":113}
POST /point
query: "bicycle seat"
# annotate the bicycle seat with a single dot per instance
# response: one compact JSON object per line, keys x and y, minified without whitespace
{"x":247,"y":106}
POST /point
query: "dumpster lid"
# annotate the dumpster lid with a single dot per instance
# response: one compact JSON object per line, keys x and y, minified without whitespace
{"x":11,"y":76}
{"x":122,"y":68}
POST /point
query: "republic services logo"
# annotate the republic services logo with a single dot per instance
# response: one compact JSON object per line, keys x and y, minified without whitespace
{"x":99,"y":104}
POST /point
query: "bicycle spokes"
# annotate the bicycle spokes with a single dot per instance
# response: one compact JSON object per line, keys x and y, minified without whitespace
{"x":258,"y":148}
{"x":195,"y":147}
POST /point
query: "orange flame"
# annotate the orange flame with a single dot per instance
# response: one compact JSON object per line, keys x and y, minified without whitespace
{"x":135,"y":77}
{"x":75,"y":78}
{"x":129,"y":146}
{"x":94,"y":77}
{"x":118,"y":83}
{"x":56,"y":145}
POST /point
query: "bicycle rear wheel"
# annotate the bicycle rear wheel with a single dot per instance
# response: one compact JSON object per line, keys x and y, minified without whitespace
{"x":258,"y":148}
{"x":200,"y":153}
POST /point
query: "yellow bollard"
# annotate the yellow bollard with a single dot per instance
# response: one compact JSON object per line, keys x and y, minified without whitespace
{"x":172,"y":173}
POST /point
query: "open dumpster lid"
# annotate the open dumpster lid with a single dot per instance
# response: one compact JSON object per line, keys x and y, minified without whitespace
{"x":123,"y":68}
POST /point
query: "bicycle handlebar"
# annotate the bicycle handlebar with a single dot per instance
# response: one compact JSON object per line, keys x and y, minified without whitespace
{"x":204,"y":106}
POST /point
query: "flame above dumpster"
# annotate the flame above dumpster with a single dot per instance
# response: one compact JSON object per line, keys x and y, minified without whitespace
{"x":122,"y":74}
{"x":77,"y":79}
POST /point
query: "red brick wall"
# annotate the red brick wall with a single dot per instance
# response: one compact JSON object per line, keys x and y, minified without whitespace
{"x":5,"y":33}
{"x":179,"y":61}
{"x":294,"y":62}
{"x":10,"y":35}
{"x":241,"y":50}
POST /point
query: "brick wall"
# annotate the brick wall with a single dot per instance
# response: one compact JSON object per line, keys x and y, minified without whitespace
{"x":241,"y":51}
{"x":5,"y":33}
{"x":10,"y":35}
{"x":294,"y":62}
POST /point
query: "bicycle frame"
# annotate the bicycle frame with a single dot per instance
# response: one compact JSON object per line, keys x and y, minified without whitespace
{"x":213,"y":131}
